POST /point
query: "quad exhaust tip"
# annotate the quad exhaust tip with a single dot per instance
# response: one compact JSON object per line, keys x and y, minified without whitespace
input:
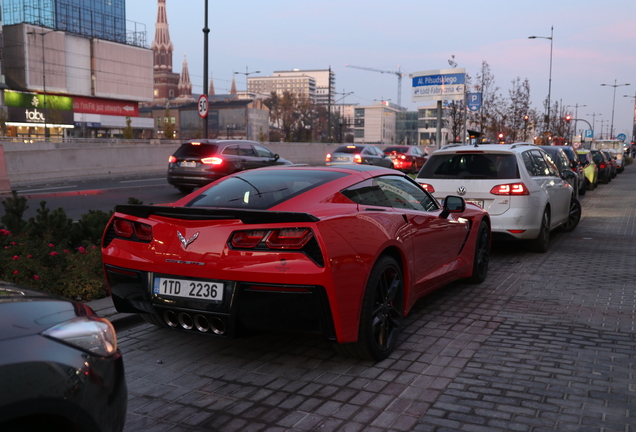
{"x":199,"y":322}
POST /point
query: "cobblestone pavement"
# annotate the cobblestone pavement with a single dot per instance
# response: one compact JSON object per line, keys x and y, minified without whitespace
{"x":546,"y":343}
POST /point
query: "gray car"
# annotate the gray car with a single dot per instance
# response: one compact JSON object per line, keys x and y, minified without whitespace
{"x":366,"y":154}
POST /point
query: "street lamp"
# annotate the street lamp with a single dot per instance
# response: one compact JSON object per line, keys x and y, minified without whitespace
{"x":246,"y":73}
{"x":43,"y":33}
{"x":547,"y":120}
{"x":634,"y":120}
{"x":613,"y":104}
{"x":594,"y":122}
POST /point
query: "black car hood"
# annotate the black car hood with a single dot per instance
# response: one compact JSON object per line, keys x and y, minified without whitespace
{"x":25,"y":311}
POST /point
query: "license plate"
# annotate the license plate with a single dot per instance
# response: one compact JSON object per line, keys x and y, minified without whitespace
{"x":195,"y":289}
{"x":342,"y":158}
{"x":480,"y":203}
{"x":188,"y":164}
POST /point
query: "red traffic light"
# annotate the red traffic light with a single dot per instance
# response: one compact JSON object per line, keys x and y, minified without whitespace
{"x":526,"y":118}
{"x":568,"y":118}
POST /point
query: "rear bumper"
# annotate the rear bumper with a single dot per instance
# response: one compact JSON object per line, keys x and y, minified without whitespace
{"x":245,"y":305}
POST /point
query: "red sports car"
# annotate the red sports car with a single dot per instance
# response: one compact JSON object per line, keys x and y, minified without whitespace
{"x":344,"y":250}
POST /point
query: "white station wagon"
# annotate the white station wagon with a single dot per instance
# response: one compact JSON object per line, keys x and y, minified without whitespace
{"x":518,"y":184}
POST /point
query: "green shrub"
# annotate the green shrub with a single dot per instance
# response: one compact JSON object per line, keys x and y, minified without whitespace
{"x":52,"y":253}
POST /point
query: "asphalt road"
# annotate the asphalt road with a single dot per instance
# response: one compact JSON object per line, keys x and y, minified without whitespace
{"x":547,"y":343}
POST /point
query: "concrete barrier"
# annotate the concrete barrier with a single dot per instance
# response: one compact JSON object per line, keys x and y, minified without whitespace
{"x":39,"y":162}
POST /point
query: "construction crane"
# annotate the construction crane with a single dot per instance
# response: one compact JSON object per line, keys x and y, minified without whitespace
{"x":399,"y":74}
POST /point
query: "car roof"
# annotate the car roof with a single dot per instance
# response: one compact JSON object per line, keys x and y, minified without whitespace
{"x":494,"y":148}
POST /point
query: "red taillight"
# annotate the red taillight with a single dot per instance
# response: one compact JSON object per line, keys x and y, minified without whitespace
{"x":248,"y":239}
{"x":143,"y":231}
{"x":284,"y":238}
{"x":212,"y":160}
{"x":357,"y":158}
{"x":172,"y":159}
{"x":328,"y":158}
{"x":403,"y":157}
{"x":123,"y":228}
{"x":603,"y":166}
{"x":289,"y":238}
{"x":510,"y":189}
{"x":428,"y":187}
{"x":126,"y":228}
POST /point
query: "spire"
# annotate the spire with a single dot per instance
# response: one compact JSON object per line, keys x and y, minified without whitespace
{"x":185,"y":86}
{"x":233,"y":89}
{"x":162,"y":46}
{"x":211,"y":91}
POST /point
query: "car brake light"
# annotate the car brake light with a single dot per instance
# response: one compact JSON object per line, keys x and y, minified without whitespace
{"x":510,"y":189}
{"x":289,"y":238}
{"x":428,"y":187}
{"x":248,"y":239}
{"x":357,"y":158}
{"x":195,"y":143}
{"x":126,"y":228}
{"x":283,"y":238}
{"x":143,"y":231}
{"x":212,"y":160}
{"x":402,"y":156}
{"x":328,"y":158}
{"x":123,"y":228}
{"x":172,"y":159}
{"x":602,"y":166}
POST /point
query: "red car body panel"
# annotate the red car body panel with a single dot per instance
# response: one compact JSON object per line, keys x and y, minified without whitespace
{"x":432,"y":250}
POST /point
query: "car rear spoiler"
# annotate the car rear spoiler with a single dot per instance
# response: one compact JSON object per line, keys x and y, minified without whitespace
{"x":199,"y":213}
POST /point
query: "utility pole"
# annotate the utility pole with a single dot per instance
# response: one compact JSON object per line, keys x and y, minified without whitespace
{"x":206,"y":32}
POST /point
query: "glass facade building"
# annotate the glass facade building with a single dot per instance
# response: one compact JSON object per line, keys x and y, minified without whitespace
{"x":102,"y":19}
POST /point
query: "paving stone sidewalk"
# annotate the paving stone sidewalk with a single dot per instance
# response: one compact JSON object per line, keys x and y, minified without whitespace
{"x":546,"y":343}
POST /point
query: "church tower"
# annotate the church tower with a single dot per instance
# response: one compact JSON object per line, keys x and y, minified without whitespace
{"x":166,"y":82}
{"x":185,"y":85}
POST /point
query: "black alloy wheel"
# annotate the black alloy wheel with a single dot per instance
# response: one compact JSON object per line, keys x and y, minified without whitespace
{"x":574,"y":216}
{"x":482,"y":254}
{"x":542,"y":242}
{"x":381,"y":315}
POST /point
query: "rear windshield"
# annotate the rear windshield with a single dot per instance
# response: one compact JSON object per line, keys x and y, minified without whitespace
{"x":470,"y":166}
{"x":351,"y":149}
{"x":262,"y":189}
{"x":197,"y":151}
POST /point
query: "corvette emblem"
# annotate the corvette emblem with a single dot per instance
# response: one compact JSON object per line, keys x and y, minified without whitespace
{"x":185,"y":242}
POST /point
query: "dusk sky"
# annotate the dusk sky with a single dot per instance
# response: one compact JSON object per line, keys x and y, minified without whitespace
{"x":594,"y":43}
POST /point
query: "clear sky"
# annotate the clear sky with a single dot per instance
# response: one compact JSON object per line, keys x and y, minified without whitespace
{"x":594,"y":43}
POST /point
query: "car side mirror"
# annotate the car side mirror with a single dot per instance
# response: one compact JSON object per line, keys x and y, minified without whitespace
{"x":453,"y":204}
{"x":276,"y":157}
{"x":568,"y":175}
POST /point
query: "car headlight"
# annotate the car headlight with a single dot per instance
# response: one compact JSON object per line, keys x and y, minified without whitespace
{"x":92,"y":334}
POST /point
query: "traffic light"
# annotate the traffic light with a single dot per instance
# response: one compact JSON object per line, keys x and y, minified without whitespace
{"x":500,"y":137}
{"x":526,"y":118}
{"x":568,"y":118}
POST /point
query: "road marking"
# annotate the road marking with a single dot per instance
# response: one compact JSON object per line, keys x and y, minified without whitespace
{"x":45,"y":189}
{"x":142,"y":180}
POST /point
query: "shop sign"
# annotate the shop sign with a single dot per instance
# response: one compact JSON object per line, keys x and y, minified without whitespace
{"x":36,"y":101}
{"x":103,"y":106}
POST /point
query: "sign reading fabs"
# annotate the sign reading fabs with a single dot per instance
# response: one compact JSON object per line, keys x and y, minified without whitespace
{"x":442,"y":84}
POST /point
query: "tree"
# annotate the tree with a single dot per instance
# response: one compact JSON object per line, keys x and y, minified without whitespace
{"x":485,"y":83}
{"x":128,"y":130}
{"x":168,"y":126}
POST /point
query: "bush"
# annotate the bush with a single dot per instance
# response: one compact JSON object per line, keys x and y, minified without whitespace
{"x":52,"y":253}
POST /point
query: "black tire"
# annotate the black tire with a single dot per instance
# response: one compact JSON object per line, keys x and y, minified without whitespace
{"x":574,"y":216}
{"x":542,"y":242}
{"x":185,"y":189}
{"x":482,"y":254}
{"x":381,"y":315}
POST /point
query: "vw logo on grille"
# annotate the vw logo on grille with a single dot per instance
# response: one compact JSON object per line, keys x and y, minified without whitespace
{"x":461,"y":191}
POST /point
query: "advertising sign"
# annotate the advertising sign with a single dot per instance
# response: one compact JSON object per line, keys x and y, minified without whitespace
{"x":36,"y":101}
{"x":436,"y":85}
{"x":103,"y":106}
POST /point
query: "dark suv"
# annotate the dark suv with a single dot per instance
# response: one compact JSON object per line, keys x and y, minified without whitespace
{"x":565,"y":159}
{"x":199,"y":162}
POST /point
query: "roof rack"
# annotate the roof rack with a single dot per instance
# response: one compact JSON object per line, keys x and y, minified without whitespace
{"x":515,"y":145}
